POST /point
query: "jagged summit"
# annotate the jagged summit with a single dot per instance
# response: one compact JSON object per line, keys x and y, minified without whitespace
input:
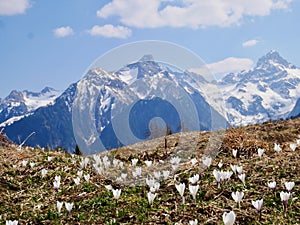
{"x":147,"y":58}
{"x":47,"y":89}
{"x":146,"y":66}
{"x":20,"y":103}
{"x":14,"y":94}
{"x":272,"y":58}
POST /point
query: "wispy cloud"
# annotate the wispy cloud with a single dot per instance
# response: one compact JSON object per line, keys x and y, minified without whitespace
{"x":63,"y":32}
{"x":192,"y":13}
{"x":228,"y":65}
{"x":110,"y":31}
{"x":13,"y":7}
{"x":250,"y":43}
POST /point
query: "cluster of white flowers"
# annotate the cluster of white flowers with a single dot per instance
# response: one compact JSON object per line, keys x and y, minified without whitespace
{"x":153,"y":180}
{"x":222,"y":176}
{"x":68,"y":206}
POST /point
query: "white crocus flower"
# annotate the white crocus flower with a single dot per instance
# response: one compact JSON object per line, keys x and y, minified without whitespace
{"x":272,"y":185}
{"x":56,"y":182}
{"x":284,"y":199}
{"x":151,"y":196}
{"x":137,"y":172}
{"x":69,"y":206}
{"x":194,"y":179}
{"x":105,"y":158}
{"x":237,"y":197}
{"x":77,"y":180}
{"x":258,"y":204}
{"x":229,"y":218}
{"x":24,"y":163}
{"x":166,"y":174}
{"x":220,"y":164}
{"x":82,"y":165}
{"x":234,"y":152}
{"x":157,"y":175}
{"x":175,"y":167}
{"x":44,"y":172}
{"x":123,"y":176}
{"x":193,"y":190}
{"x":277,"y":147}
{"x":194,"y":161}
{"x":150,"y":182}
{"x":193,"y":222}
{"x":239,"y":169}
{"x":217,"y":176}
{"x":84,"y":162}
{"x":98,"y":169}
{"x":59,"y":206}
{"x":180,"y":188}
{"x":121,"y":165}
{"x":79,"y":173}
{"x":106,"y":162}
{"x":207,"y":161}
{"x":260,"y":152}
{"x":293,"y":146}
{"x":242,"y":177}
{"x":57,"y":178}
{"x":97,"y":159}
{"x":155,"y":187}
{"x":134,"y":162}
{"x":87,"y":177}
{"x":289,"y":186}
{"x":49,"y":159}
{"x":108,"y":187}
{"x":116,"y":162}
{"x":11,"y":222}
{"x":116,"y":193}
{"x":284,"y":196}
{"x":228,"y":174}
{"x":32,"y":164}
{"x":175,"y":160}
{"x":225,"y":175}
{"x":148,"y":163}
{"x":233,"y":168}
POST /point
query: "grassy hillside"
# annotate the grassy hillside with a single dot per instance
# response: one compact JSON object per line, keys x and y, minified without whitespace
{"x":29,"y":197}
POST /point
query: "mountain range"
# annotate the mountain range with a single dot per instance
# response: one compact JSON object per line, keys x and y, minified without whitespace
{"x":19,"y":104}
{"x":269,"y":91}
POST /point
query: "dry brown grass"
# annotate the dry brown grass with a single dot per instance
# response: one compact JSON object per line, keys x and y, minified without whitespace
{"x":31,"y":199}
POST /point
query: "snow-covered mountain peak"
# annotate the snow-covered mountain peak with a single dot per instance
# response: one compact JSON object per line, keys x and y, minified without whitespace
{"x":268,"y":90}
{"x":146,"y":58}
{"x":146,"y":66}
{"x":21,"y":103}
{"x":273,"y":60}
{"x":47,"y":90}
{"x":98,"y":71}
{"x":14,"y":96}
{"x":34,"y":100}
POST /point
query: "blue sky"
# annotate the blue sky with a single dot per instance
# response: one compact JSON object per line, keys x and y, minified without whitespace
{"x":51,"y":43}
